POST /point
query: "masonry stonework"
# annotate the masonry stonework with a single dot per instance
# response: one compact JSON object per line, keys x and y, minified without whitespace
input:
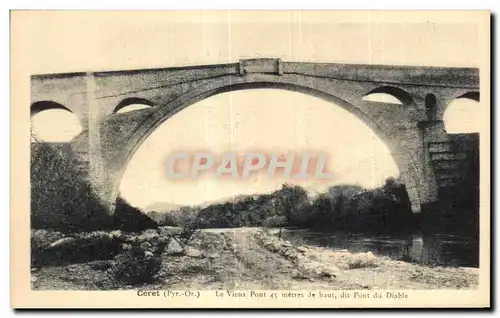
{"x":110,"y":139}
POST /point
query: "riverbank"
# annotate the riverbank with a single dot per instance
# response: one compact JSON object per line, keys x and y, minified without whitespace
{"x":246,"y":258}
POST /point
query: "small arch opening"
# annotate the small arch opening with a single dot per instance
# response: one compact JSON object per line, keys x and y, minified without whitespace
{"x":388,"y":95}
{"x":471,"y":95}
{"x":52,"y":122}
{"x":382,"y":98}
{"x":41,"y":106}
{"x":132,"y":104}
{"x":463,"y":115}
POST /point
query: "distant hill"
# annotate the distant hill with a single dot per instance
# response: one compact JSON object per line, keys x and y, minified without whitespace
{"x":167,"y":206}
{"x":162,"y":207}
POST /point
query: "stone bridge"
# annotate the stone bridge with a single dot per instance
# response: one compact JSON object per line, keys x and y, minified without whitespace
{"x":412,"y":130}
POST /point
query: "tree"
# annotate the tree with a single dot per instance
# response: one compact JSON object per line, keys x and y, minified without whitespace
{"x":294,"y":202}
{"x":61,"y":197}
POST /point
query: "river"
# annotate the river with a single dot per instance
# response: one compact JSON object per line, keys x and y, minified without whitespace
{"x":437,"y":249}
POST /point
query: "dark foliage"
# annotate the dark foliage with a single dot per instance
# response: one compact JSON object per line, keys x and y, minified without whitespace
{"x":343,"y":208}
{"x":61,"y":197}
{"x":131,"y":219}
{"x":459,"y":204}
{"x":81,"y":248}
{"x":353,"y":209}
{"x":135,"y":267}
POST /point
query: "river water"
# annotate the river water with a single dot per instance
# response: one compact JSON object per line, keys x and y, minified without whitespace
{"x":438,"y":249}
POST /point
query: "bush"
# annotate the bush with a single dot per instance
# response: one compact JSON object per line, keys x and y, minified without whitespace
{"x":351,"y":208}
{"x":333,"y":209}
{"x":40,"y":241}
{"x":341,"y":208}
{"x":61,"y":197}
{"x":136,"y":267}
{"x":189,"y":219}
{"x":293,"y":202}
{"x":170,"y":219}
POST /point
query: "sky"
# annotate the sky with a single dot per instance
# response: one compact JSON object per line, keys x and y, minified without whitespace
{"x":242,"y":121}
{"x":245,"y":121}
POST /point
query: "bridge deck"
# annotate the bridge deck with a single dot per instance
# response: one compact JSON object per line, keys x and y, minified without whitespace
{"x":459,"y":77}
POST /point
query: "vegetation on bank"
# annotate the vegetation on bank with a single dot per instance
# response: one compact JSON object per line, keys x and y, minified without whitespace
{"x":340,"y":208}
{"x":62,"y":199}
{"x":69,"y":224}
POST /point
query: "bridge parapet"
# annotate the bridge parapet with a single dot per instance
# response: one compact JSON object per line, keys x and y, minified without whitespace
{"x":264,"y":66}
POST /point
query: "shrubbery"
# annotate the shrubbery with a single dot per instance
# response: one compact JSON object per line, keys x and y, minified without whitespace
{"x":353,"y":209}
{"x":61,"y":198}
{"x":125,"y":257}
{"x":81,"y":247}
{"x":136,"y":267}
{"x":131,"y":219}
{"x":340,"y":208}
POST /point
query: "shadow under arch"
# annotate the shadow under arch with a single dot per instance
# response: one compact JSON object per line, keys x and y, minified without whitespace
{"x":41,"y":106}
{"x":131,"y":101}
{"x":470,"y":95}
{"x":396,"y":92}
{"x":43,"y":129}
{"x":167,"y":110}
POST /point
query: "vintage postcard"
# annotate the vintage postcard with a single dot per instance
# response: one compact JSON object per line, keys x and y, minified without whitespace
{"x":250,"y":159}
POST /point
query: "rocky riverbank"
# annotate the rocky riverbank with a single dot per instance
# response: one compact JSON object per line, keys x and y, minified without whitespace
{"x":242,"y":258}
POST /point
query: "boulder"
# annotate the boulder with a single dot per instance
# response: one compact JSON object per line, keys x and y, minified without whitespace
{"x":145,"y":246}
{"x":333,"y":269}
{"x":174,"y":248}
{"x":126,"y":247}
{"x":193,"y":252}
{"x":41,"y":239}
{"x":150,"y":232}
{"x":274,"y":247}
{"x":116,"y":233}
{"x":212,"y":255}
{"x":169,"y":230}
{"x":62,"y":241}
{"x":302,"y":249}
{"x":71,"y":269}
{"x":295,"y":273}
{"x":147,"y":235}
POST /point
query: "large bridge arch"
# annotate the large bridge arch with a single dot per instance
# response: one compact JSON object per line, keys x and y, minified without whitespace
{"x":413,"y":130}
{"x":402,"y":137}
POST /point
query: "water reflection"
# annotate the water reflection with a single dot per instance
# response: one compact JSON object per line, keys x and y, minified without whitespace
{"x":435,"y":249}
